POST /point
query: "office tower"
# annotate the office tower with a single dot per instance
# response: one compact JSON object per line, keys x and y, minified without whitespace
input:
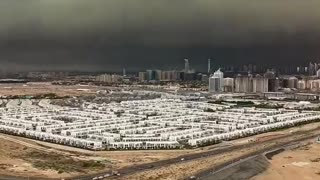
{"x":293,"y":82}
{"x":243,"y":84}
{"x":228,"y":84}
{"x":273,"y":81}
{"x":270,"y":74}
{"x":302,"y":84}
{"x":214,"y":84}
{"x":260,"y":84}
{"x":175,"y":75}
{"x":273,"y":85}
{"x":186,"y":66}
{"x":209,"y":65}
{"x":124,"y":72}
{"x":219,"y":74}
{"x":311,"y":69}
{"x":142,"y":76}
{"x":315,"y":84}
{"x":318,"y":73}
{"x":115,"y":78}
{"x":157,"y":74}
{"x":150,"y":75}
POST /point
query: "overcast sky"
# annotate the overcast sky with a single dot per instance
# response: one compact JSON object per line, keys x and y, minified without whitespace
{"x":136,"y":34}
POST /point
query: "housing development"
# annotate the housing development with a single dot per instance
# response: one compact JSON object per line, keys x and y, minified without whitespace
{"x":162,"y":123}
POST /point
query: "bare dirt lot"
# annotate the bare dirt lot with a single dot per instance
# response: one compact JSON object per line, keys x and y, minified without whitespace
{"x":26,"y":157}
{"x":189,"y":168}
{"x":34,"y":89}
{"x":23,"y":159}
{"x":295,"y":164}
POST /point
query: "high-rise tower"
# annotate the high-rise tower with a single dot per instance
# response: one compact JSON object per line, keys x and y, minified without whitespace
{"x":186,"y":65}
{"x":209,"y":65}
{"x":124,"y":72}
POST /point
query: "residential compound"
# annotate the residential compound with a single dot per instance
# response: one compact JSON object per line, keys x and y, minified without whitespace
{"x":163,"y":123}
{"x":108,"y":78}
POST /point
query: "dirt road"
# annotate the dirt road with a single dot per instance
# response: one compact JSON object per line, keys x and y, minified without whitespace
{"x":198,"y":161}
{"x":191,"y":164}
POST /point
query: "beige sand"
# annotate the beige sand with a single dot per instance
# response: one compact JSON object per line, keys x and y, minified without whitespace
{"x":298,"y":164}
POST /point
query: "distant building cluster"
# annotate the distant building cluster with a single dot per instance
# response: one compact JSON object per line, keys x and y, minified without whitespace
{"x":241,"y":83}
{"x":186,"y":74}
{"x":268,"y":82}
{"x":242,"y":80}
{"x":109,"y":78}
{"x":173,"y":75}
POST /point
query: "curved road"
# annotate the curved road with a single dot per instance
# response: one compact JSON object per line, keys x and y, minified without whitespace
{"x":279,"y":142}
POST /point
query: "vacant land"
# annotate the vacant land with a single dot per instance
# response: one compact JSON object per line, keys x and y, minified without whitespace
{"x":295,"y":164}
{"x":29,"y":160}
{"x":45,"y":88}
{"x":190,"y":168}
{"x":27,"y":157}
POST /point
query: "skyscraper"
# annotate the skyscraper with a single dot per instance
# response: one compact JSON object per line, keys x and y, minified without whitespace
{"x":311,"y":69}
{"x":260,"y":84}
{"x":150,"y":75}
{"x":124,"y":72}
{"x":209,"y":65}
{"x":228,"y":84}
{"x":293,"y":82}
{"x":244,"y":84}
{"x":142,"y":76}
{"x":219,"y":74}
{"x":318,"y":73}
{"x":157,"y":75}
{"x":186,"y":66}
{"x":216,"y":82}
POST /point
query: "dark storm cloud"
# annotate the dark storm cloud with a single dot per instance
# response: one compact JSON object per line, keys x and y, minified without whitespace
{"x":108,"y":34}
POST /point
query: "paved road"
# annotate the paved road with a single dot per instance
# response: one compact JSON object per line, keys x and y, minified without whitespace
{"x":250,"y":156}
{"x":155,"y":165}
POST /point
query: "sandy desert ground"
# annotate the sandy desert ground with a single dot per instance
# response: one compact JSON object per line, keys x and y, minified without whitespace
{"x":26,"y":157}
{"x":45,"y":88}
{"x":190,"y":168}
{"x":302,"y":163}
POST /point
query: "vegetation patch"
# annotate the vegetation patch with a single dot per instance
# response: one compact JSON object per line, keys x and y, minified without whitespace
{"x":61,"y":163}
